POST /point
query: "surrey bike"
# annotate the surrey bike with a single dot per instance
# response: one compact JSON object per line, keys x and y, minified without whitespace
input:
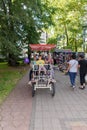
{"x":42,"y":80}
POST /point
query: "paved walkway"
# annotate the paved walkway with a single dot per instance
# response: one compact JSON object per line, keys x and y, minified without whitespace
{"x":15,"y":112}
{"x":67,"y":110}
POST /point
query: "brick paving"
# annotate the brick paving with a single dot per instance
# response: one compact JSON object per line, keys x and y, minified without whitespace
{"x":67,"y":110}
{"x":15,"y":112}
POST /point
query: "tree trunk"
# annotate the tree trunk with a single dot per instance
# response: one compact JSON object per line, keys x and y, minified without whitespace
{"x":12,"y":60}
{"x":4,"y":7}
{"x":66,"y":33}
{"x":29,"y":54}
{"x":11,"y":26}
{"x":75,"y":45}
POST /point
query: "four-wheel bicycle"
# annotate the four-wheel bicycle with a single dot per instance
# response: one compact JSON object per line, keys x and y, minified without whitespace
{"x":41,"y":79}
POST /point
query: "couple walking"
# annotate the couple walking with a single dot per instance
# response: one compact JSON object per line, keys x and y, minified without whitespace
{"x":73,"y":66}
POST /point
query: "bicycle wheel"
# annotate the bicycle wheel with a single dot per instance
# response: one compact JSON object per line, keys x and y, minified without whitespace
{"x":33,"y":90}
{"x":52,"y":89}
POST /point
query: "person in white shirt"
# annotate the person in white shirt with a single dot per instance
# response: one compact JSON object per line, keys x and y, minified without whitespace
{"x":72,"y":69}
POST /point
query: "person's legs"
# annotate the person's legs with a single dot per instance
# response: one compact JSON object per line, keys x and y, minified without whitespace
{"x":70,"y":75}
{"x":72,"y":78}
{"x":42,"y":68}
{"x":30,"y":74}
{"x":82,"y":80}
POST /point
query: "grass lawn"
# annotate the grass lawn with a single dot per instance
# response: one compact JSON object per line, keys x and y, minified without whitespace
{"x":9,"y":77}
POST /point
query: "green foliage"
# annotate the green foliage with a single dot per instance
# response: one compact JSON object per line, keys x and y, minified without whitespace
{"x":68,"y":21}
{"x":52,"y":41}
{"x":8,"y":78}
{"x":21,"y":23}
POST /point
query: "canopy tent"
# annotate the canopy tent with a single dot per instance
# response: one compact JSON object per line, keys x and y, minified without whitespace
{"x":40,"y":47}
{"x":63,"y":50}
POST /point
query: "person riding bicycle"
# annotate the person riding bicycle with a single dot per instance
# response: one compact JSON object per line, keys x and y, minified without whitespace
{"x":41,"y":63}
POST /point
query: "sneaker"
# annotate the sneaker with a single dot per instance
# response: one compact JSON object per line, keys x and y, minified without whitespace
{"x":53,"y":80}
{"x":29,"y":83}
{"x":73,"y":87}
{"x":83,"y":84}
{"x":82,"y":87}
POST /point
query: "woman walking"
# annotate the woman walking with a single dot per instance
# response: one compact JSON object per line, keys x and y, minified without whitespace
{"x":72,"y":69}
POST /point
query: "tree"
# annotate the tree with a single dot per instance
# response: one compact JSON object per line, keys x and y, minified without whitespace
{"x":68,"y":21}
{"x":21,"y":23}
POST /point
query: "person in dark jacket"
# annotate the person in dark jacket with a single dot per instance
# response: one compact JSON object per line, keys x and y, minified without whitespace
{"x":82,"y":70}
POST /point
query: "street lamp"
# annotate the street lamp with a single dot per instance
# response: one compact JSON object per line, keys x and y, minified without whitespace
{"x":85,"y":38}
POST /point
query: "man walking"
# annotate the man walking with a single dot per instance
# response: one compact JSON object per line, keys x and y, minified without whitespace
{"x":82,"y":70}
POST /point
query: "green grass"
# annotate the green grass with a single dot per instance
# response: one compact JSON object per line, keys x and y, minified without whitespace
{"x":9,"y":77}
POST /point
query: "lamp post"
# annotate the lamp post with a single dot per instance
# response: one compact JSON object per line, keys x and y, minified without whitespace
{"x":85,"y":38}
